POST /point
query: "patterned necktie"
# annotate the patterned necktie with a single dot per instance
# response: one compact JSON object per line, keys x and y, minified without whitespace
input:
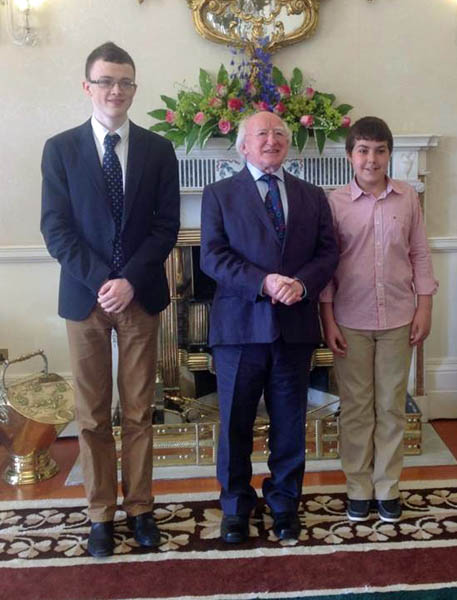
{"x":273,"y":205}
{"x":112,"y":173}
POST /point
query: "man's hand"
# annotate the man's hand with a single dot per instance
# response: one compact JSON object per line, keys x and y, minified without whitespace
{"x":115,"y":295}
{"x":282,"y":289}
{"x":422,"y":321}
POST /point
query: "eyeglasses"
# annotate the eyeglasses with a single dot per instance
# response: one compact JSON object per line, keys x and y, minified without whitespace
{"x":262,"y":134}
{"x":107,"y":83}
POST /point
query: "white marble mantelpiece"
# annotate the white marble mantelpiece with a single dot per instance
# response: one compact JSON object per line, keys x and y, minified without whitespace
{"x":329,"y":170}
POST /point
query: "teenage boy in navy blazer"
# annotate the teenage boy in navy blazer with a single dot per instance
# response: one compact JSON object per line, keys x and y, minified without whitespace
{"x":110,"y":216}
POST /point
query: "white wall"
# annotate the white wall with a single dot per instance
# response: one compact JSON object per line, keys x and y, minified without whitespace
{"x":397,"y":60}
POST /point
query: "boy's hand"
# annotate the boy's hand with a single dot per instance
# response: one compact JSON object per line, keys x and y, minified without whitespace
{"x":115,"y":295}
{"x":332,"y":333}
{"x":334,"y":338}
{"x":420,"y":326}
{"x":422,"y":321}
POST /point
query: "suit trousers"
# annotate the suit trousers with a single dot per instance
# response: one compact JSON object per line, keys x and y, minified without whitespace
{"x":372,"y":381}
{"x":91,"y":360}
{"x":280,"y":371}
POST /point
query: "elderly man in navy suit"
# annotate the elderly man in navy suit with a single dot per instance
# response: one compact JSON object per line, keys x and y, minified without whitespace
{"x":110,"y":216}
{"x":268,"y":242}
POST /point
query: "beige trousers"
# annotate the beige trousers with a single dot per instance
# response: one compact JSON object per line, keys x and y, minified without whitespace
{"x":90,"y":352}
{"x":372,"y":381}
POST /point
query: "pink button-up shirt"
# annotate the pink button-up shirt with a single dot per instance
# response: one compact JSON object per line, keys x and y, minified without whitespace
{"x":384,"y":257}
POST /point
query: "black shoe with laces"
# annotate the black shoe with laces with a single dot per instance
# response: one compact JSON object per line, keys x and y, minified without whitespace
{"x":358,"y":510}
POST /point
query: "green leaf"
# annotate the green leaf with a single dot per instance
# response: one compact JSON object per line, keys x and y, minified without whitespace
{"x":235,"y":86}
{"x":278,"y":77}
{"x":331,"y":97}
{"x":161,"y":127}
{"x":169,"y":102}
{"x":206,"y":132}
{"x":302,"y":138}
{"x":320,"y":136}
{"x":343,"y":109}
{"x":333,"y":135}
{"x":160,"y":114}
{"x":339,"y":133}
{"x":192,"y":138}
{"x":205,"y":82}
{"x":176,"y":136}
{"x":296,"y":83}
{"x":222,"y":76}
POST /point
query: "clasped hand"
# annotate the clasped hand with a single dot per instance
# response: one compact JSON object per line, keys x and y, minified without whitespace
{"x":282,"y":289}
{"x":115,"y":295}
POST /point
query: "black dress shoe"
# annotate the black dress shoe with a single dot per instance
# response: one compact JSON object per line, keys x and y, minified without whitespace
{"x":101,"y":539}
{"x":235,"y":529}
{"x":286,"y":525}
{"x":145,"y":530}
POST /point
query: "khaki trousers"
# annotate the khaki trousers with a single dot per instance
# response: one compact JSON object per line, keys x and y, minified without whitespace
{"x":372,"y":381}
{"x":90,"y":353}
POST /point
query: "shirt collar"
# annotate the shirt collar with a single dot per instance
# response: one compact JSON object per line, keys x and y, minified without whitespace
{"x":257,"y":173}
{"x":100,"y":130}
{"x":356,"y":190}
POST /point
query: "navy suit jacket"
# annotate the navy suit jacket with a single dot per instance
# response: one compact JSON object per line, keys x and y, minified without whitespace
{"x":240,"y":247}
{"x":78,"y":226}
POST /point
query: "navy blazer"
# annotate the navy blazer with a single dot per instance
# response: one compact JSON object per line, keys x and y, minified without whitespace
{"x":78,"y":226}
{"x":239,"y":248}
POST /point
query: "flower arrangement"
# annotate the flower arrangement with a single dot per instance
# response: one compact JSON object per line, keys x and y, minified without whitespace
{"x":216,"y":109}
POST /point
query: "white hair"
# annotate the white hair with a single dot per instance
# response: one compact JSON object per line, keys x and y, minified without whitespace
{"x":242,"y":133}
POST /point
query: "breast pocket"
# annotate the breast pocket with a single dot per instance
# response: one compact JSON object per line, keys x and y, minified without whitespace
{"x":397,"y":228}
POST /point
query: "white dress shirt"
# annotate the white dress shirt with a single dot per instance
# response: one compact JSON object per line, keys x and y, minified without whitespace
{"x":121,"y":148}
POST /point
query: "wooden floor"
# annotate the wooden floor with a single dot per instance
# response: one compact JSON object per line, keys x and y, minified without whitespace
{"x":65,"y":452}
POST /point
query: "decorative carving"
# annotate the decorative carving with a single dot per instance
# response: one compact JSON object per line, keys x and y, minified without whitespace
{"x":248,"y":23}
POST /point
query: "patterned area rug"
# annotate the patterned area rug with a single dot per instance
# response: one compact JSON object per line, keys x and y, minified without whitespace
{"x":43,"y":552}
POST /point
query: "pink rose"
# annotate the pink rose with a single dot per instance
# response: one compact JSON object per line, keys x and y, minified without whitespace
{"x":307,"y":120}
{"x":221,"y":90}
{"x":261,"y":106}
{"x":345,"y":121}
{"x":309,"y":93}
{"x":280,"y":108}
{"x":284,"y":91}
{"x":234,"y":104}
{"x":224,"y":126}
{"x":215,"y":102}
{"x":170,"y":117}
{"x":199,"y":118}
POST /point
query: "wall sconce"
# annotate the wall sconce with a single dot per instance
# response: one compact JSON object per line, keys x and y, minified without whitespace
{"x":18,"y":21}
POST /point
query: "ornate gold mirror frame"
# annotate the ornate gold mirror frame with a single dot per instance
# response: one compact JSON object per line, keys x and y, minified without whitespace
{"x":248,"y":23}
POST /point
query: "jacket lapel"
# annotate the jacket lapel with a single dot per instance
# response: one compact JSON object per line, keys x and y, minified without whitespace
{"x":91,"y":159}
{"x":135,"y":165}
{"x":293,"y":191}
{"x":252,"y":200}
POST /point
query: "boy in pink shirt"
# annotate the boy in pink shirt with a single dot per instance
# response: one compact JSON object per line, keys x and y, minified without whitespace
{"x":376,"y":308}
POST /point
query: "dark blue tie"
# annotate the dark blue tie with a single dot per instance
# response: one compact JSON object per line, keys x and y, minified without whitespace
{"x":273,"y":205}
{"x":112,"y":173}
